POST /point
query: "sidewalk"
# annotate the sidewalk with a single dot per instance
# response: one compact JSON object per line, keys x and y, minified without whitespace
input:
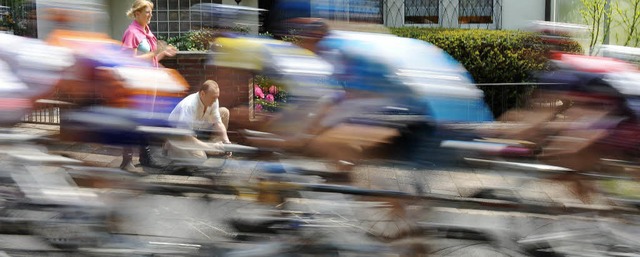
{"x":91,"y":154}
{"x":463,"y":181}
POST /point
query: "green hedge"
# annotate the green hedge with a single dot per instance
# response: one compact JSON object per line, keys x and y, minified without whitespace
{"x":492,"y":56}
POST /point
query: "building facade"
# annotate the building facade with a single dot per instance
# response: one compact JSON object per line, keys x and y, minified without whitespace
{"x":176,"y":17}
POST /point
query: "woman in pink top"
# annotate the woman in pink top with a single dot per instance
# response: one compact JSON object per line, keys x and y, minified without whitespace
{"x":139,"y":38}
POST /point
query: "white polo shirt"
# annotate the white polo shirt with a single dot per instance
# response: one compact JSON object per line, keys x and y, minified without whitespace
{"x":190,"y":113}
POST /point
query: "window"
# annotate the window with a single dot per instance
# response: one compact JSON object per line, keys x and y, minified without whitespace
{"x":172,"y":18}
{"x":347,"y":10}
{"x":475,"y":11}
{"x":365,"y":11}
{"x":421,"y":11}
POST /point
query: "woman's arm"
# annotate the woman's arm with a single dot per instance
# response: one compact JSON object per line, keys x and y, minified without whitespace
{"x":167,"y":51}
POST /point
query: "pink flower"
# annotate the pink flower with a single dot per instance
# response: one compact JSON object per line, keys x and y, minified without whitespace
{"x":270,"y":98}
{"x":257,"y":91}
{"x":258,"y":107}
{"x":273,"y":90}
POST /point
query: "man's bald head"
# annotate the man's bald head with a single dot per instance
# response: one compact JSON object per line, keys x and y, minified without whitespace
{"x":209,"y":92}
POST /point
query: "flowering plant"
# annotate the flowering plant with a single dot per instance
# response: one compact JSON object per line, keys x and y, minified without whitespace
{"x":268,"y":96}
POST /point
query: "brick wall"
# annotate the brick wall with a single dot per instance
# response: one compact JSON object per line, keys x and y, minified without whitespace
{"x":191,"y":65}
{"x":234,"y":83}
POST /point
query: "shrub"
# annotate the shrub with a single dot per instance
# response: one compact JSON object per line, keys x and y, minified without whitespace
{"x":195,"y":40}
{"x":492,"y":56}
{"x":198,"y":40}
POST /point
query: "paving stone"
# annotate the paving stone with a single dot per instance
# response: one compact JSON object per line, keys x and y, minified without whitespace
{"x":59,"y":146}
{"x":253,"y":179}
{"x":517,"y":181}
{"x":559,"y":191}
{"x":438,"y":179}
{"x":499,"y":182}
{"x":166,"y":178}
{"x":74,"y":155}
{"x":408,"y":178}
{"x":470,"y":182}
{"x":240,"y":167}
{"x":98,"y":158}
{"x":362,"y":183}
{"x":436,"y":172}
{"x":442,"y":186}
{"x":381,"y":172}
{"x":241,"y":172}
{"x":487,"y":172}
{"x":307,"y":164}
{"x":413,"y":189}
{"x":115,"y":163}
{"x":425,"y":188}
{"x":360,"y":174}
{"x":389,"y":185}
{"x":468,"y":191}
{"x":534,"y":196}
{"x":84,"y":148}
{"x":40,"y":126}
{"x":445,"y":192}
{"x":490,"y":177}
{"x":462,"y":175}
{"x":533,"y":185}
{"x":567,"y":200}
{"x":109,"y":150}
{"x":104,"y":164}
{"x":550,"y":183}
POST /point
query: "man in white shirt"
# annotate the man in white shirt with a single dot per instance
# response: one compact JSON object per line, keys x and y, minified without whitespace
{"x":200,"y":111}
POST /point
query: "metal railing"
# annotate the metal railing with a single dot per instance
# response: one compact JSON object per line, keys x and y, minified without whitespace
{"x":45,"y":112}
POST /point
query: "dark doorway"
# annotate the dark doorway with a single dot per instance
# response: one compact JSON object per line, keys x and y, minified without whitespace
{"x":265,"y":18}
